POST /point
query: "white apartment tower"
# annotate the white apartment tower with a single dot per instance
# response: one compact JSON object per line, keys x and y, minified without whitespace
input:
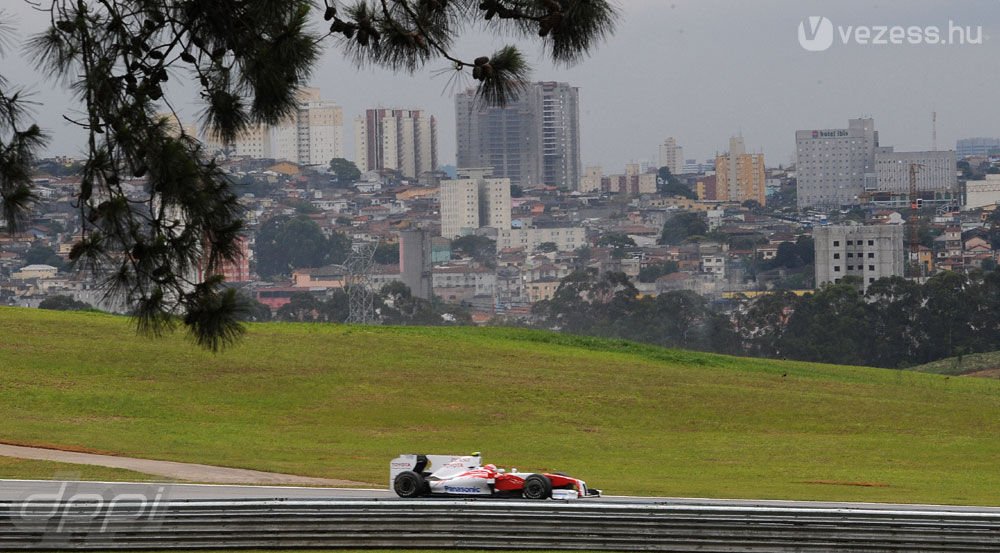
{"x":672,"y":156}
{"x":254,"y":142}
{"x":834,"y":167}
{"x":399,"y":139}
{"x":474,"y":201}
{"x":313,"y":135}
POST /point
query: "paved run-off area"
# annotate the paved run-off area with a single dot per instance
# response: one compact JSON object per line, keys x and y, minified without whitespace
{"x":191,"y":472}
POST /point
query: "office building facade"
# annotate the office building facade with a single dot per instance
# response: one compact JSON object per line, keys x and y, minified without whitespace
{"x":936,"y":175}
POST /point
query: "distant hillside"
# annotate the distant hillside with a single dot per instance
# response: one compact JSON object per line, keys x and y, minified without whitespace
{"x":340,"y":401}
{"x":982,"y":365}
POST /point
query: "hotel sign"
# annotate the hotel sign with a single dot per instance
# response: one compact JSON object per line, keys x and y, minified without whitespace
{"x":831,"y":134}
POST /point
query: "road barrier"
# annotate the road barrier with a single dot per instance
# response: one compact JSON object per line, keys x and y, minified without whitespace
{"x":461,"y":524}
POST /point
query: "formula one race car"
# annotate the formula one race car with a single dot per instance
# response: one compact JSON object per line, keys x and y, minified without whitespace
{"x":465,"y":475}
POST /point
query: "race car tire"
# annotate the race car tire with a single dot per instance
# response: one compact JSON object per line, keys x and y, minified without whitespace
{"x":409,"y":484}
{"x":537,"y":486}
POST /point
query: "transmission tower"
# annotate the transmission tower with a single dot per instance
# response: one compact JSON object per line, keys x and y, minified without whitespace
{"x":360,"y":290}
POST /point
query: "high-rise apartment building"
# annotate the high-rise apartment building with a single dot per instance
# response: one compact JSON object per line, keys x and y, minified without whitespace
{"x":740,"y":176}
{"x":835,"y":166}
{"x":473,"y":201}
{"x":312,"y":135}
{"x":533,"y":141}
{"x":672,"y":156}
{"x":253,"y":142}
{"x":401,"y":139}
{"x":867,"y":252}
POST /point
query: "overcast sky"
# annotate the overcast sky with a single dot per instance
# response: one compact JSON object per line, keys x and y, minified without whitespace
{"x":698,"y":70}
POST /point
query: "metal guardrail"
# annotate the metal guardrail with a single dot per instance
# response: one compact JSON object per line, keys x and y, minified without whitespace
{"x":462,"y":524}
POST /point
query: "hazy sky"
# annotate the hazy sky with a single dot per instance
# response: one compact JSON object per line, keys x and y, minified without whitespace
{"x":698,"y":70}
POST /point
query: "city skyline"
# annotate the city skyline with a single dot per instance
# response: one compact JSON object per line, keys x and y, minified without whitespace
{"x":780,"y":87}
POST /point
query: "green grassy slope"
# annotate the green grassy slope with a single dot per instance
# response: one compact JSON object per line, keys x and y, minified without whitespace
{"x":339,"y":401}
{"x":975,"y":364}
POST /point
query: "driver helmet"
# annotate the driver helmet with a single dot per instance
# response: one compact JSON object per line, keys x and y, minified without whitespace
{"x":491,"y":467}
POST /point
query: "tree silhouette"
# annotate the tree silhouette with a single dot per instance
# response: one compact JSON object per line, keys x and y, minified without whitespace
{"x":249,"y":59}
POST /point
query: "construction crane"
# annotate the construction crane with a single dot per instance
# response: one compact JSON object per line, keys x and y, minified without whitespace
{"x":914,"y":222}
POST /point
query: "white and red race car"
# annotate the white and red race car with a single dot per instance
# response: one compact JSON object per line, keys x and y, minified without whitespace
{"x":418,"y":475}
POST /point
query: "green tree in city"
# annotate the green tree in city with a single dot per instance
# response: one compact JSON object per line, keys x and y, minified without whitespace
{"x":346,"y":171}
{"x":387,"y":254}
{"x":762,"y":325}
{"x":247,"y":59}
{"x":682,"y":226}
{"x":619,"y":243}
{"x":43,"y":255}
{"x":650,"y":273}
{"x":669,"y":185}
{"x":288,"y":243}
{"x":480,"y":248}
{"x":894,"y":306}
{"x":548,"y":247}
{"x":832,"y":326}
{"x":64,"y":303}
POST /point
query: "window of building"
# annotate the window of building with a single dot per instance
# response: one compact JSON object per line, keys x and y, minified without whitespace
{"x":836,"y":256}
{"x":850,"y":242}
{"x":850,"y":267}
{"x":836,"y":268}
{"x":871,"y":255}
{"x":871,"y":267}
{"x":871,"y":280}
{"x":871,"y":242}
{"x":836,"y":243}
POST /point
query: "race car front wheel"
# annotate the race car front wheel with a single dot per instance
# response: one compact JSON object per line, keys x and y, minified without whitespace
{"x":537,"y":486}
{"x":409,"y":484}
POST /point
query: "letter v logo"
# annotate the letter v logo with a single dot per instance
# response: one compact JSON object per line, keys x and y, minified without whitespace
{"x":816,"y":33}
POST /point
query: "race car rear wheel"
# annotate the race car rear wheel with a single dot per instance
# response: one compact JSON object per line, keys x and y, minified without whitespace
{"x":537,"y":486}
{"x":409,"y":484}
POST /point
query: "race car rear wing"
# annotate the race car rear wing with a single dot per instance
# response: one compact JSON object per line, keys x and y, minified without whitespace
{"x":443,"y":465}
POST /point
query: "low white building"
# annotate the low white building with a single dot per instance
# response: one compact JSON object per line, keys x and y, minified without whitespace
{"x":982,"y":193}
{"x":714,"y":264}
{"x":565,"y":238}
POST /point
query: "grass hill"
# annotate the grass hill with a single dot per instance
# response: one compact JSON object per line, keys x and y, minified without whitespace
{"x":983,"y":365}
{"x":340,"y":401}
